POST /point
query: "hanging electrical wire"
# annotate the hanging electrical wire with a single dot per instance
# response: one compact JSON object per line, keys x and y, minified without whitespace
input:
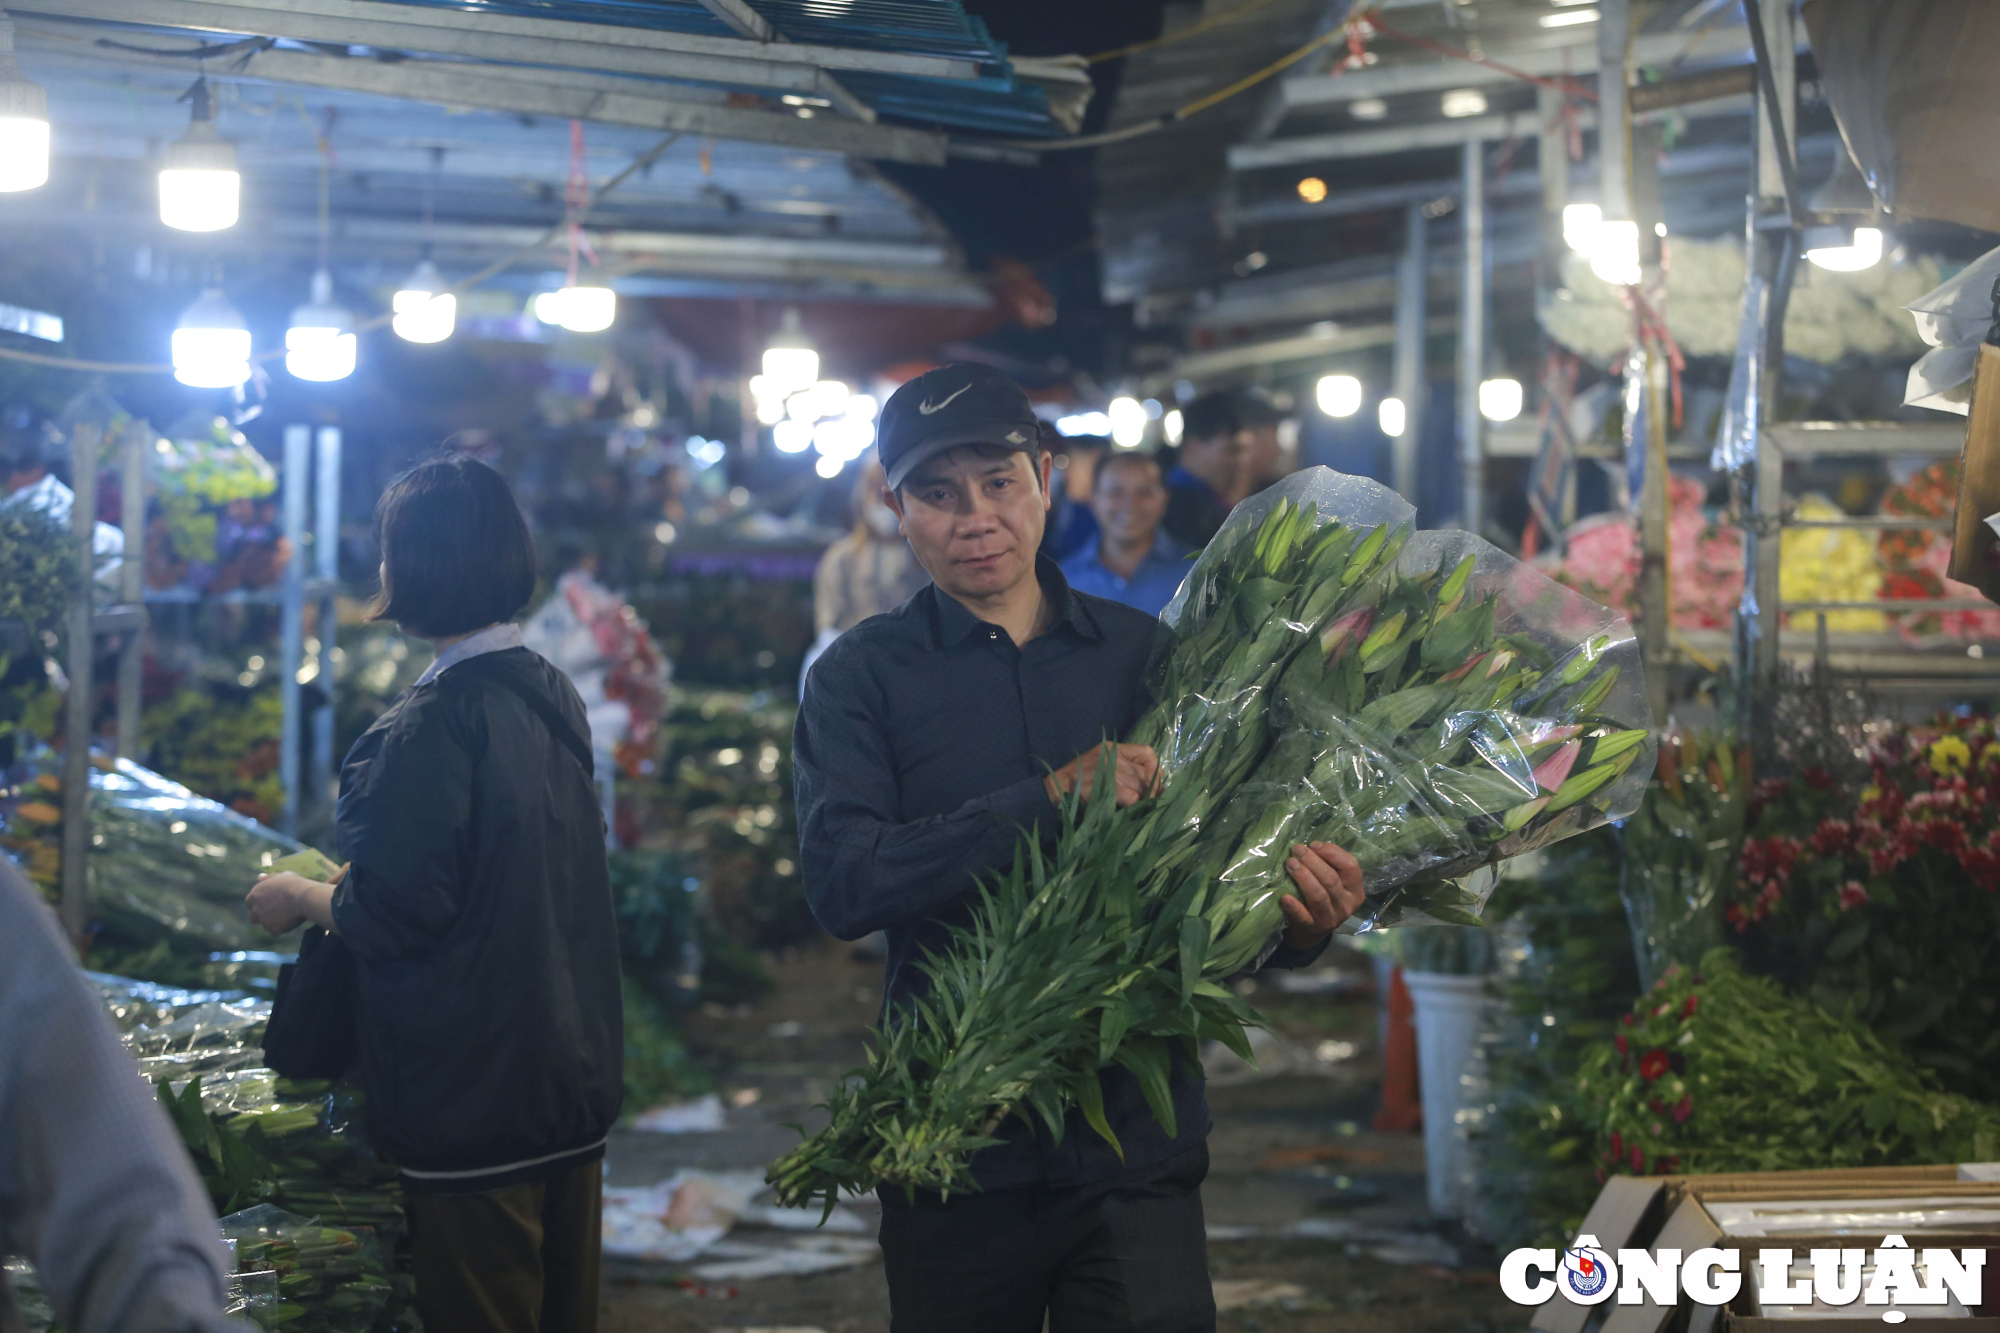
{"x":539,"y":244}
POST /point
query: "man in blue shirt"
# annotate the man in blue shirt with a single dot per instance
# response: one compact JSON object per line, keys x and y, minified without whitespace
{"x":1131,"y":560}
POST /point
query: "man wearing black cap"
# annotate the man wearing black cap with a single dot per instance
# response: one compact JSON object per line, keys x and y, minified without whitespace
{"x":929,"y":739}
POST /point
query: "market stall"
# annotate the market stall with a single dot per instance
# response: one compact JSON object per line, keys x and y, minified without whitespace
{"x":1600,"y":566}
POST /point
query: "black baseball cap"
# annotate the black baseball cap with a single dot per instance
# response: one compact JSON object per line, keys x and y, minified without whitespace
{"x":962,"y":403}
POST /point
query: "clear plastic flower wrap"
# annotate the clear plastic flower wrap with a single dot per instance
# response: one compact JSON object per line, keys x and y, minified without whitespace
{"x":327,"y":1277}
{"x":1460,"y":709}
{"x":165,"y":864}
{"x":1421,"y":699}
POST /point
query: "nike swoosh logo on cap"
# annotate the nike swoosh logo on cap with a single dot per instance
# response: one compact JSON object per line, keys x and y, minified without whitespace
{"x":927,"y":407}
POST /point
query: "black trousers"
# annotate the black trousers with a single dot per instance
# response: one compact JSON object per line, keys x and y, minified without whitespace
{"x":1125,"y":1255}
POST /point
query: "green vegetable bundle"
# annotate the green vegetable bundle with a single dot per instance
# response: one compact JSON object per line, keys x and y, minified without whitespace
{"x":1420,"y":699}
{"x":1713,"y":1070}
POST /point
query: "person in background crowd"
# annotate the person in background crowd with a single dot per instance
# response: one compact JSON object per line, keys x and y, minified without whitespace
{"x":865,"y":573}
{"x":95,"y":1186}
{"x":1072,"y":524}
{"x":1202,"y":487}
{"x":1270,"y":440}
{"x":1132,"y":559}
{"x":929,"y":743}
{"x":477,"y":906}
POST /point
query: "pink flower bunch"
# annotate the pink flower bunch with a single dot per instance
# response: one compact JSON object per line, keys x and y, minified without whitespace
{"x":1705,"y":560}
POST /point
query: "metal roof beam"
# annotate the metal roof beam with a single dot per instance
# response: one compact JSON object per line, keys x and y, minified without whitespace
{"x":518,"y":91}
{"x":1577,"y":55}
{"x":698,"y":251}
{"x":599,"y":46}
{"x":740,"y":19}
{"x":1378,"y":143}
{"x":1305,"y":347}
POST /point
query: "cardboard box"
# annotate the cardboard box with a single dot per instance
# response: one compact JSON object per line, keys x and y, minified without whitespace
{"x":1626,"y":1214}
{"x":1672,"y":1212}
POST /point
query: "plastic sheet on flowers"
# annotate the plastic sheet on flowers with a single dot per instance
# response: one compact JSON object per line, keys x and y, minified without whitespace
{"x":178,"y":1034}
{"x":328,"y":1278}
{"x":166,"y":864}
{"x":1681,"y":851}
{"x":1435,"y":712}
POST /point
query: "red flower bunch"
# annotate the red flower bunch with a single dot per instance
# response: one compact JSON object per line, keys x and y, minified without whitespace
{"x":1767,"y":867}
{"x":1833,"y":837}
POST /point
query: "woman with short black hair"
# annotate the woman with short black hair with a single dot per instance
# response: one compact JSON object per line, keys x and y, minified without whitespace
{"x":478,"y":909}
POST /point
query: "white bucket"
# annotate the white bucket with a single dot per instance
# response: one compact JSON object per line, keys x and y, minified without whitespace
{"x":1448,"y":1013}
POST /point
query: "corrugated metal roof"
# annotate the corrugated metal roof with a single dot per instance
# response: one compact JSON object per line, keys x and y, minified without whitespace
{"x":996,"y":102}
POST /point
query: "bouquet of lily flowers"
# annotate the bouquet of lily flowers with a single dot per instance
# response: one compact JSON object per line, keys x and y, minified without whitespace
{"x":1420,"y":698}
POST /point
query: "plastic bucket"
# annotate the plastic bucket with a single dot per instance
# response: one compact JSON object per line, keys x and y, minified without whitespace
{"x":1448,"y":1015}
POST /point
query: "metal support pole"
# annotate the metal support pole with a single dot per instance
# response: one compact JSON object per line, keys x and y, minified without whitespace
{"x":298,"y":445}
{"x":1655,"y":555}
{"x":132,"y":583}
{"x":1472,"y":338}
{"x":1552,"y":161}
{"x":83,"y":441}
{"x":1614,"y":111}
{"x":1773,"y":256}
{"x":1774,"y":161}
{"x":1411,"y":274}
{"x":326,"y":568}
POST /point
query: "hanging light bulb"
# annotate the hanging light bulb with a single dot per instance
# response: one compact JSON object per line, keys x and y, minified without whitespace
{"x":1862,"y":252}
{"x":1392,"y":416}
{"x":1580,"y":223}
{"x":200,"y":188}
{"x":1128,"y":421}
{"x":1338,"y":395}
{"x":24,"y":122}
{"x":425,"y":311}
{"x":320,"y":344}
{"x":1500,"y":399}
{"x":1614,"y":252}
{"x":211,"y":344}
{"x":578,"y":309}
{"x":790,"y":363}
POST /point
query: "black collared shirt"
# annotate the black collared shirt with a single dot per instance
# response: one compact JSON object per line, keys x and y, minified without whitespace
{"x":922,"y":742}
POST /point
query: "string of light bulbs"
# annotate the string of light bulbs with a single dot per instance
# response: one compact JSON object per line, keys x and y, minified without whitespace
{"x":537,"y":246}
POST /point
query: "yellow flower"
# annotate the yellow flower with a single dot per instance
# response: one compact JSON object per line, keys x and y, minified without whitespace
{"x":1871,"y":793}
{"x":1949,"y":754}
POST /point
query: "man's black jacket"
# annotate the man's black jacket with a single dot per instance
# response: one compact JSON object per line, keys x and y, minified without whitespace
{"x":479,"y":910}
{"x":921,"y":745}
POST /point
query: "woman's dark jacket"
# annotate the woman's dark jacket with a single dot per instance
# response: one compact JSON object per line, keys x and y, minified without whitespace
{"x":479,"y":912}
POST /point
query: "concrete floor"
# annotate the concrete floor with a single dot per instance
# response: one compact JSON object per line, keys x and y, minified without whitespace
{"x":1318,"y":1221}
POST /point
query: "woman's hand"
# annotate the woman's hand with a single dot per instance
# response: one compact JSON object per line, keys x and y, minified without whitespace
{"x":1329,"y":884}
{"x":280,"y":902}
